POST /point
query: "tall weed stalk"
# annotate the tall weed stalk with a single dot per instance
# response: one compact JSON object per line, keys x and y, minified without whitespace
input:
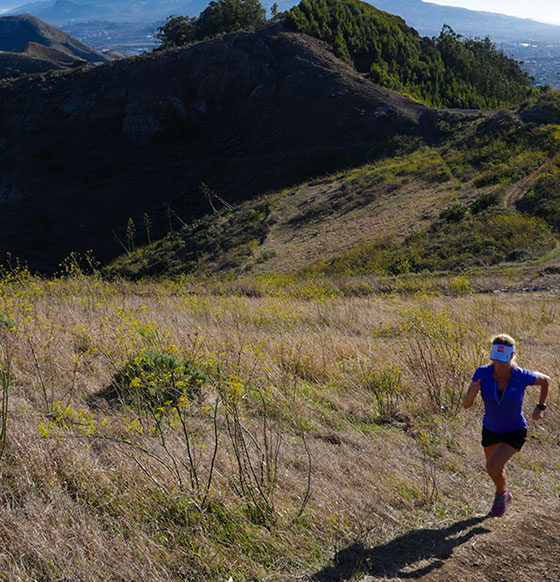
{"x":443,"y":351}
{"x":5,"y":382}
{"x":257,"y":452}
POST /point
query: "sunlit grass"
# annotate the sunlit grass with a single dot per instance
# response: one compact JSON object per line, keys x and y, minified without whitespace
{"x":307,"y":390}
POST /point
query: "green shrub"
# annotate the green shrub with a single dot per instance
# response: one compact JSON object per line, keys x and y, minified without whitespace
{"x":387,"y":386}
{"x":483,"y":202}
{"x":453,"y":213}
{"x":151,"y":379}
{"x":219,"y":17}
{"x":544,"y":198}
{"x":6,"y":322}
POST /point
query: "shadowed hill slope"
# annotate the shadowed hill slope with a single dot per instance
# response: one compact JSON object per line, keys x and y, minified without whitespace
{"x":451,"y":205}
{"x":243,"y":114}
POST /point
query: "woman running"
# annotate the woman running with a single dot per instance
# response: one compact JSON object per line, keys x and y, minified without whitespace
{"x":504,"y":428}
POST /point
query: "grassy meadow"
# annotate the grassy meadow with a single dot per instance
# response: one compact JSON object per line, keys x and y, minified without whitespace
{"x":199,"y":429}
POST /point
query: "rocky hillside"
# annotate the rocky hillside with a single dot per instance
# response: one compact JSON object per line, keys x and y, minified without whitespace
{"x":29,"y":45}
{"x":82,"y":153}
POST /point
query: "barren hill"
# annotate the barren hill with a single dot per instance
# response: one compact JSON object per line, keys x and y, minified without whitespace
{"x":243,"y":114}
{"x":29,"y":45}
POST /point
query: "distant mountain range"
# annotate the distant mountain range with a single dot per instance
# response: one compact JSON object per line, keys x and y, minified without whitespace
{"x":29,"y":45}
{"x":60,"y":12}
{"x":426,"y":17}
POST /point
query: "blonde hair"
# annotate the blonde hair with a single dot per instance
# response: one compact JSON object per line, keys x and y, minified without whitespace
{"x":503,"y":339}
{"x":506,"y":340}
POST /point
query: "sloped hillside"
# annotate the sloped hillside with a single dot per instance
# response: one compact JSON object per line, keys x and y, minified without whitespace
{"x":19,"y":33}
{"x":29,"y":45}
{"x":449,"y":206}
{"x":243,"y":115}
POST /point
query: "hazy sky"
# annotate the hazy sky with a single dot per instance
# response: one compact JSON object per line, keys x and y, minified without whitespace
{"x":542,"y":10}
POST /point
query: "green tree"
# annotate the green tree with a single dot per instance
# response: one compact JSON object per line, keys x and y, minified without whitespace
{"x":447,"y":70}
{"x":223,"y":16}
{"x":177,"y":31}
{"x":220,"y":17}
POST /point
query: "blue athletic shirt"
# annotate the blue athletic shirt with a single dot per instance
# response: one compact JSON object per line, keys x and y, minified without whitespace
{"x":504,"y":414}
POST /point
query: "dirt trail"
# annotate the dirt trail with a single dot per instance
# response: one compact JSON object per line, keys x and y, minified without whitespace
{"x":512,"y":194}
{"x":522,"y":546}
{"x":520,"y":187}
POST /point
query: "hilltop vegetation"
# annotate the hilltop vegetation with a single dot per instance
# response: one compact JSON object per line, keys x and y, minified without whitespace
{"x":220,"y":17}
{"x":444,"y":71}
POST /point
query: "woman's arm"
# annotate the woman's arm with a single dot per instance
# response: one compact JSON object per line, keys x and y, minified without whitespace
{"x":543,"y":381}
{"x":469,"y":397}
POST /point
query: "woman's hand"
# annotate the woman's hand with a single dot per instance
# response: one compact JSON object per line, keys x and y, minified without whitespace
{"x":537,"y":413}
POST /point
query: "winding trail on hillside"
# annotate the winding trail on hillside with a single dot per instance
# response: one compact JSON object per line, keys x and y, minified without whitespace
{"x":519,"y":188}
{"x":513,"y":194}
{"x":522,"y":546}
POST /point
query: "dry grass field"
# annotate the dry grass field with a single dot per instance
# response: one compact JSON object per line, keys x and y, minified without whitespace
{"x":260,"y":430}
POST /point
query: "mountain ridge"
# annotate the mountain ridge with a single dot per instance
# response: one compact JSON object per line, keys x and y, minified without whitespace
{"x":428,"y":18}
{"x":246,"y":113}
{"x":29,"y":45}
{"x":59,"y":12}
{"x":88,"y":157}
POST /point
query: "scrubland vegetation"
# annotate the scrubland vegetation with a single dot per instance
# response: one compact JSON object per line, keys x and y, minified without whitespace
{"x":198,"y":429}
{"x":484,"y":194}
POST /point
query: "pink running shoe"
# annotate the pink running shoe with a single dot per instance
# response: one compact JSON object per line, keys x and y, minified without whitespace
{"x":501,"y":501}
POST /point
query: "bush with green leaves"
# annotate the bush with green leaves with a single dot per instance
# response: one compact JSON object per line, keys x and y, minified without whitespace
{"x":220,"y":17}
{"x":483,"y":202}
{"x":153,"y":379}
{"x":543,"y":199}
{"x":458,"y":239}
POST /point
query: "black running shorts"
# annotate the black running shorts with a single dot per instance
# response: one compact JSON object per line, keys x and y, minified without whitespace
{"x":515,"y":438}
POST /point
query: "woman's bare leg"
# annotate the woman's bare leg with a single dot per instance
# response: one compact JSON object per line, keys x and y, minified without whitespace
{"x":496,"y":458}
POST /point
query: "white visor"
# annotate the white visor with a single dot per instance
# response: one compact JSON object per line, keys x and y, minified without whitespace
{"x":501,"y":353}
